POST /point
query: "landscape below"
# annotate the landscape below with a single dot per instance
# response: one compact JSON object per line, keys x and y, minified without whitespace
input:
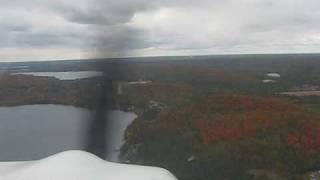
{"x":207,"y":117}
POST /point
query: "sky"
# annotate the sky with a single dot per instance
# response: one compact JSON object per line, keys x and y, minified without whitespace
{"x":80,"y":29}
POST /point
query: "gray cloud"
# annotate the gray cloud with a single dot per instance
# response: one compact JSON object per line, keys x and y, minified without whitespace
{"x":159,"y":27}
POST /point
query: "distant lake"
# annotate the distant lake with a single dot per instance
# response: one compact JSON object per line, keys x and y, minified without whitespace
{"x":274,"y":75}
{"x":70,"y":75}
{"x":35,"y":131}
{"x":268,"y":81}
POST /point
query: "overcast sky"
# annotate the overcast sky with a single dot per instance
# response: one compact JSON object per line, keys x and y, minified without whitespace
{"x":73,"y":29}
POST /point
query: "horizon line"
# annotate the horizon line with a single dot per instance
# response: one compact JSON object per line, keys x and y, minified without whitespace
{"x":157,"y":56}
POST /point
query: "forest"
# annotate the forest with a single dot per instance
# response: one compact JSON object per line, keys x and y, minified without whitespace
{"x":203,"y":118}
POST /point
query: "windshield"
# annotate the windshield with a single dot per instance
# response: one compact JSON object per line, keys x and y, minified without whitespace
{"x":161,"y":90}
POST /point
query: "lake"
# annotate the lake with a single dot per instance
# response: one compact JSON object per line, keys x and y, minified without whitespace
{"x":36,"y":131}
{"x":70,"y":75}
{"x":274,"y":75}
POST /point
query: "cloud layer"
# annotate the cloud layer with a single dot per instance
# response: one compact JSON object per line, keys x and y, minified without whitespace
{"x":67,"y":29}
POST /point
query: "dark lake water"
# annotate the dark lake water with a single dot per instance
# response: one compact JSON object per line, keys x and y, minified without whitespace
{"x":35,"y":131}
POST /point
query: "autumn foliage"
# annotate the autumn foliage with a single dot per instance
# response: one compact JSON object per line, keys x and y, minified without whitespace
{"x":308,"y":139}
{"x":241,"y":116}
{"x":229,"y":116}
{"x":241,"y":124}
